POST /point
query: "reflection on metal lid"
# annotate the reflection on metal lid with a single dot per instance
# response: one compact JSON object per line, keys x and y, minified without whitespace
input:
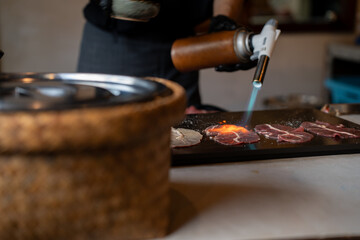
{"x":49,"y":91}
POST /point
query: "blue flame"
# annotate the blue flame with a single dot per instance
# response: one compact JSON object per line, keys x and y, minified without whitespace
{"x":250,"y":107}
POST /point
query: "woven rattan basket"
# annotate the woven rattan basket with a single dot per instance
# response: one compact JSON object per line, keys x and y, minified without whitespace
{"x":92,"y":173}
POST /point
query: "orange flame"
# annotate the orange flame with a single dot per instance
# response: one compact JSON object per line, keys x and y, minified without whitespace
{"x":226,"y":128}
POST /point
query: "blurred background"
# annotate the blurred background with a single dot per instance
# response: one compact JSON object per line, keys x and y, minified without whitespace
{"x":318,"y":45}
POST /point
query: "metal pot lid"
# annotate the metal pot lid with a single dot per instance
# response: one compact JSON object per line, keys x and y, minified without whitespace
{"x":53,"y":91}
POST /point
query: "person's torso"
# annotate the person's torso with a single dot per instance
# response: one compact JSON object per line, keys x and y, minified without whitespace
{"x":176,"y":18}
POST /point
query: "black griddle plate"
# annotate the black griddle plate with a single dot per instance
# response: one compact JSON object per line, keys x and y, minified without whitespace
{"x":209,"y":151}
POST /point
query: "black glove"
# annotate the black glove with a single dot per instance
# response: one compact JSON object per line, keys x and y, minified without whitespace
{"x":133,"y":10}
{"x":1,"y":54}
{"x":224,"y":23}
{"x":106,"y":5}
{"x":235,"y":67}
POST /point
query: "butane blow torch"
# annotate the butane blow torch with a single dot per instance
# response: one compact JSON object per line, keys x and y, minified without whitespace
{"x":227,"y":47}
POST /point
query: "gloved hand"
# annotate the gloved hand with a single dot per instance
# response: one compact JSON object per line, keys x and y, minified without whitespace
{"x":132,"y":10}
{"x":235,"y":67}
{"x":224,"y":23}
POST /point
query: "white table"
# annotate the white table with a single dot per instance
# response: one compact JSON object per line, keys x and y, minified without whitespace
{"x":270,"y":199}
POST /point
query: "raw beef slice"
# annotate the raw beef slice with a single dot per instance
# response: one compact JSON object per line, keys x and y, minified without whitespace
{"x":283,"y":133}
{"x":328,"y":130}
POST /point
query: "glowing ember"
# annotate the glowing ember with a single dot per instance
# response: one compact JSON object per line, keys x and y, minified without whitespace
{"x":227,"y":128}
{"x":229,"y":134}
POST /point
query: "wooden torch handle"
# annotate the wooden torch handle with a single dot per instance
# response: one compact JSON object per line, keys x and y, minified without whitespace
{"x":210,"y":50}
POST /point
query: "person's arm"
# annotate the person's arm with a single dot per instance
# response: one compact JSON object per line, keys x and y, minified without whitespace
{"x":229,"y":8}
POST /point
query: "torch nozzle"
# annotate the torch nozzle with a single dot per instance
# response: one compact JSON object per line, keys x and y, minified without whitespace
{"x":260,"y":71}
{"x":264,"y":44}
{"x":257,"y":84}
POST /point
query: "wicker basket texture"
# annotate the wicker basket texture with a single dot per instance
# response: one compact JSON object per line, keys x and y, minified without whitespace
{"x":97,"y":173}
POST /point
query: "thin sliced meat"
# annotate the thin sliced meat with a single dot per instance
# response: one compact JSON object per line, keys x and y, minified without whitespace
{"x":236,"y":138}
{"x":283,"y":133}
{"x":228,"y":134}
{"x":181,"y":137}
{"x":272,"y":131}
{"x":295,"y":137}
{"x":328,"y":130}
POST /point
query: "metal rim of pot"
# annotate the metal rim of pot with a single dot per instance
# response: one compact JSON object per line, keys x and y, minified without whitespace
{"x":58,"y":91}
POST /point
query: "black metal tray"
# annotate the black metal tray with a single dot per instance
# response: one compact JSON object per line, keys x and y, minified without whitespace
{"x":209,"y":151}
